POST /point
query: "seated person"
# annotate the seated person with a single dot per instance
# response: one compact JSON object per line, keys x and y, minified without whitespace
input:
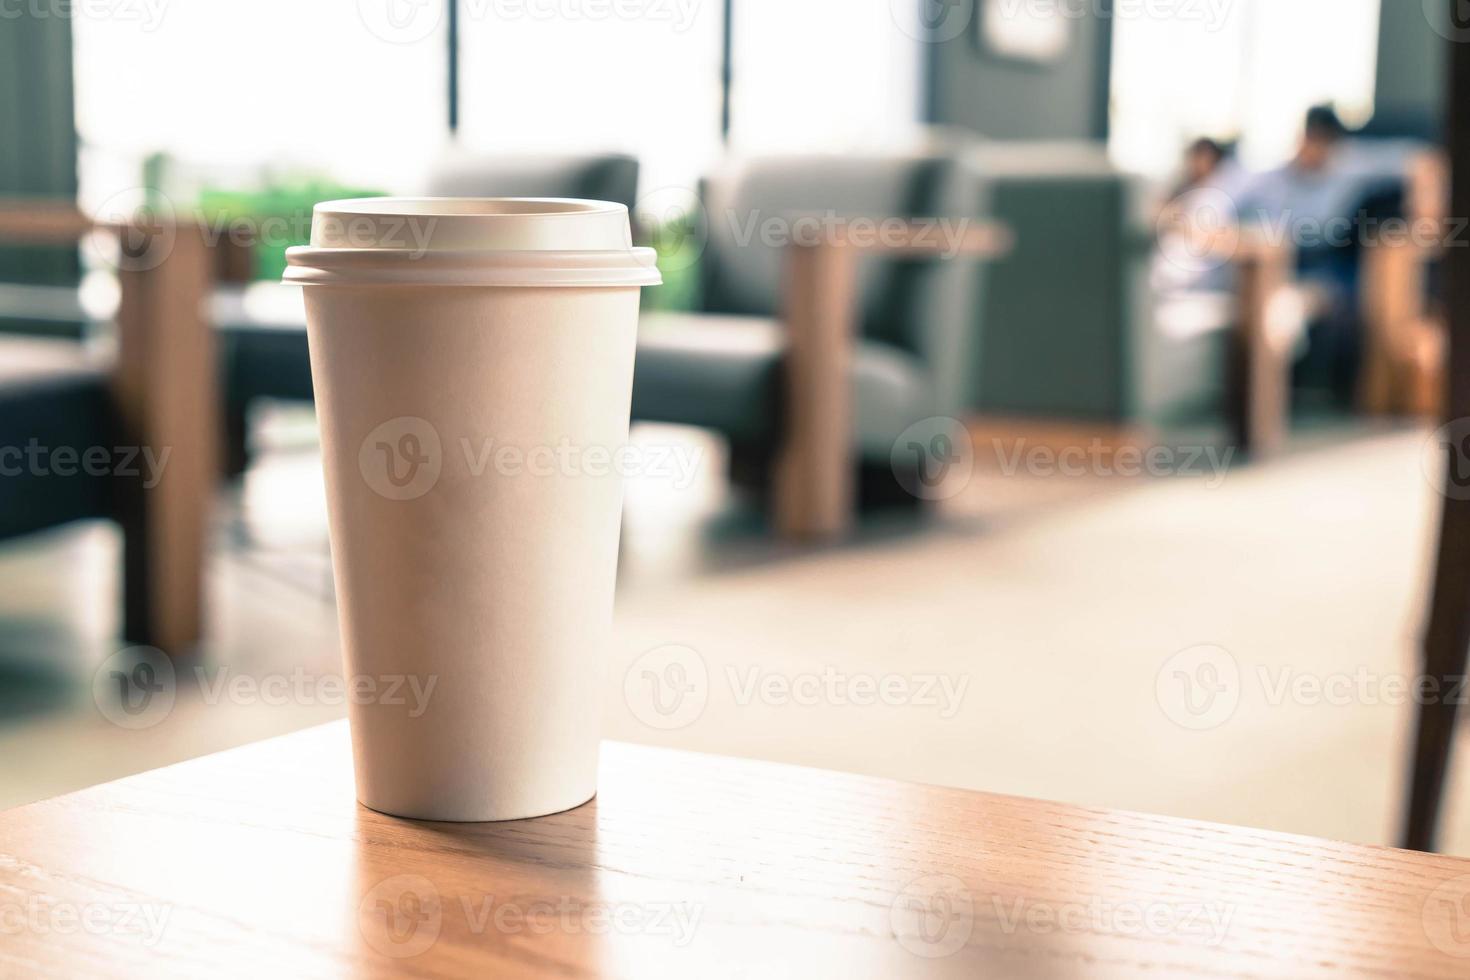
{"x":1318,"y":202}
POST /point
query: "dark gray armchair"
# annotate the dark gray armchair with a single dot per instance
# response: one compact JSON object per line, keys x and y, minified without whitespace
{"x":820,"y":338}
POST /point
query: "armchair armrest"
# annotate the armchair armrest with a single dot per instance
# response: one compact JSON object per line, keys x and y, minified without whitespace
{"x":814,"y":492}
{"x":164,"y":386}
{"x":1402,"y":347}
{"x":41,"y":222}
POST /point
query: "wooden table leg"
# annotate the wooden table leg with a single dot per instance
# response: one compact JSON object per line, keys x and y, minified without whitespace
{"x":166,"y":395}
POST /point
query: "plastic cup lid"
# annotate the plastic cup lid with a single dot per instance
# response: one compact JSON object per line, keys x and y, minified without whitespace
{"x":471,"y":242}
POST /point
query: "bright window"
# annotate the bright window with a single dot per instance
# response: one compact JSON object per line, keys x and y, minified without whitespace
{"x":822,"y":75}
{"x":1246,"y":69}
{"x":269,"y":85}
{"x":356,"y":90}
{"x":639,"y":77}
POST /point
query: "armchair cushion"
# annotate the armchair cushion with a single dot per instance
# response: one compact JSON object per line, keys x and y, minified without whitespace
{"x":724,"y":373}
{"x":54,"y":395}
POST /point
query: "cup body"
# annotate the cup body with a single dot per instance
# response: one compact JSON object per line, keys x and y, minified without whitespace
{"x":471,"y":443}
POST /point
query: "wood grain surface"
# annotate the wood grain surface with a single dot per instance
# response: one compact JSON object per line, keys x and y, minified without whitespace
{"x":258,"y":862}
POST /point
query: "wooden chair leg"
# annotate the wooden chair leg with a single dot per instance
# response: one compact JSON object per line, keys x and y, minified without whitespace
{"x":165,"y":390}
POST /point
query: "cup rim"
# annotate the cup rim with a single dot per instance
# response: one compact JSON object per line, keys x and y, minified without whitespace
{"x":468,"y":207}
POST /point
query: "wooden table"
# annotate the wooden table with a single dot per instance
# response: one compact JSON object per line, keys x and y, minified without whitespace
{"x":258,"y":862}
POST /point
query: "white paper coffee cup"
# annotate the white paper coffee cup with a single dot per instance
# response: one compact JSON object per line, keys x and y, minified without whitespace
{"x":473,"y":364}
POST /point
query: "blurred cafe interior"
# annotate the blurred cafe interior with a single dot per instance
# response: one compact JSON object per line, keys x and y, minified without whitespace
{"x":1080,"y":367}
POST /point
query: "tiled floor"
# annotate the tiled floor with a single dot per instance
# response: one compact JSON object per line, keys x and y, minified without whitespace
{"x":1027,"y":638}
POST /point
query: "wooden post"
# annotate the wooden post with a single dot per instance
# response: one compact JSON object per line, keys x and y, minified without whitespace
{"x":815,"y":495}
{"x":165,"y":387}
{"x":1447,"y":636}
{"x":1261,"y":387}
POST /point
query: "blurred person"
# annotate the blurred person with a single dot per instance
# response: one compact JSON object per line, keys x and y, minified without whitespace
{"x":1203,"y":159}
{"x":1199,"y":220}
{"x":1314,"y":202}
